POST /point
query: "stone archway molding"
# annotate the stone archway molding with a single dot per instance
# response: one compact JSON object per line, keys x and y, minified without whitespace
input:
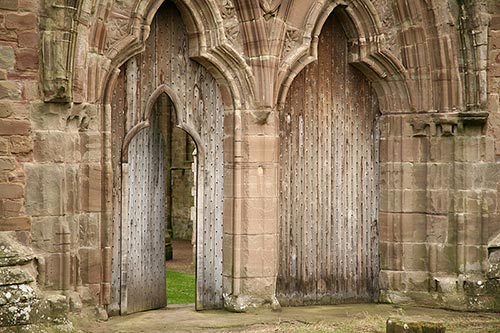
{"x":162,"y":89}
{"x":208,"y":45}
{"x":367,"y":53}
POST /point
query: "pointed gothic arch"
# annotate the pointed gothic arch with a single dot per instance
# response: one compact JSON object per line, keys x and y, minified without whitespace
{"x":363,"y":29}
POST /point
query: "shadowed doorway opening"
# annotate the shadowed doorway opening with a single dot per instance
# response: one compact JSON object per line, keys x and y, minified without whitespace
{"x":180,"y":210}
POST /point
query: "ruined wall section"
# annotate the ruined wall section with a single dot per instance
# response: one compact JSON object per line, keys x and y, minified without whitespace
{"x":21,"y":300}
{"x":68,"y":191}
{"x":439,"y":202}
{"x":19,"y":41}
{"x":493,"y":106}
{"x":18,"y":85}
{"x":51,"y":147}
{"x":182,"y":183}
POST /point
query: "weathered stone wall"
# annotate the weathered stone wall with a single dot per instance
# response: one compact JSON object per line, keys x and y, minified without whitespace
{"x":63,"y":196}
{"x":434,"y":66}
{"x":51,"y":175}
{"x":21,"y":302}
{"x":493,"y":107}
{"x":19,"y":40}
{"x":439,"y":199}
{"x":182,"y":184}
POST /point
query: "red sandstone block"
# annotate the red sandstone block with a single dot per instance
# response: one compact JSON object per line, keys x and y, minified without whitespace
{"x":90,"y":262}
{"x":5,"y":110}
{"x":10,"y":90}
{"x":12,"y":208}
{"x":14,"y":126}
{"x":21,"y":144}
{"x":495,"y":22}
{"x":11,"y":191}
{"x":30,"y":5}
{"x":9,"y":4}
{"x":26,"y":59}
{"x":4,"y":146}
{"x":7,"y":35}
{"x":15,"y":224}
{"x":7,"y":164}
{"x":28,"y":39}
{"x":21,"y":21}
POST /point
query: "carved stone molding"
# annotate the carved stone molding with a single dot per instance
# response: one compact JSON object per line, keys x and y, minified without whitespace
{"x":270,"y":7}
{"x":366,"y":50}
{"x":227,"y":9}
{"x":445,"y":124}
{"x":231,"y":23}
{"x":58,"y":44}
{"x":292,"y":40}
{"x":56,"y":53}
{"x":117,"y":29}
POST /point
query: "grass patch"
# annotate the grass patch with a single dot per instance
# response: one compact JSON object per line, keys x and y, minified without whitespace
{"x":180,"y":288}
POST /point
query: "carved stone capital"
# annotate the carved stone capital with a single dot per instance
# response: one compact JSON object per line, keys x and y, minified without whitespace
{"x":445,"y":124}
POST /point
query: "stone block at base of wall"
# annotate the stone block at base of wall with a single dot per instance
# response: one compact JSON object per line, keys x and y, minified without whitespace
{"x":22,"y":304}
{"x":414,"y":325}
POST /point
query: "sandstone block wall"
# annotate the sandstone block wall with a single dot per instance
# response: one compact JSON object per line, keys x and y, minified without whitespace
{"x":182,"y":183}
{"x":435,"y":67}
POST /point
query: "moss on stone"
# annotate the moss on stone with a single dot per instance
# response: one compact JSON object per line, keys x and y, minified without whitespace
{"x":12,"y":253}
{"x":14,"y":275}
{"x":401,"y":325}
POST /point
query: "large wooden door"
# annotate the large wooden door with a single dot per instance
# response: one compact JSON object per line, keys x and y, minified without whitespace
{"x":200,"y":112}
{"x":328,"y":195}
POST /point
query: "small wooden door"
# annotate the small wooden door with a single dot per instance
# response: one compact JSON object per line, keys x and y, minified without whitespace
{"x":143,"y":243}
{"x":329,"y":196}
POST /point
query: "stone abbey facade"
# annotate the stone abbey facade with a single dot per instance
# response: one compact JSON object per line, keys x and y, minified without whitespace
{"x":346,"y":151}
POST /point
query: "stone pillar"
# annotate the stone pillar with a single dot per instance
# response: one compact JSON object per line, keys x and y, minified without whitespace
{"x":254,"y":210}
{"x":437,"y":198}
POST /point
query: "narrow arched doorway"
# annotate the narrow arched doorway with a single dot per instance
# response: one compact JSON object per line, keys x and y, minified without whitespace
{"x":164,"y":73}
{"x":181,"y":169}
{"x":328,"y":188}
{"x":154,"y":214}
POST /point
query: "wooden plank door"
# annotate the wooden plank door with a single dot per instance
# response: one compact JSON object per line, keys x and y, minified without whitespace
{"x":143,"y":234}
{"x":328,"y":196}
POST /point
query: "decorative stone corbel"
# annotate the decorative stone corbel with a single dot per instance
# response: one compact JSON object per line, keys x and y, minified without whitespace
{"x":260,"y":116}
{"x":231,"y":23}
{"x":292,"y":40}
{"x":58,"y":41}
{"x":56,"y":51}
{"x":445,"y":124}
{"x":270,"y":7}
